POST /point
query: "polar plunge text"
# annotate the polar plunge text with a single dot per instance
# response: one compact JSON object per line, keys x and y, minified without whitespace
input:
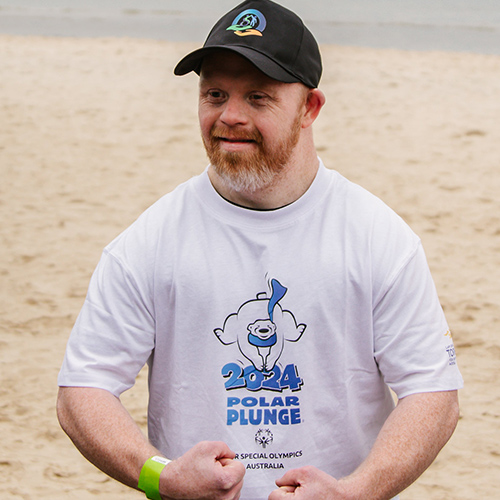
{"x":263,"y":411}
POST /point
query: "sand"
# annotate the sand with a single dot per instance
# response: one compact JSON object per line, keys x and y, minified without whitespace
{"x":93,"y":131}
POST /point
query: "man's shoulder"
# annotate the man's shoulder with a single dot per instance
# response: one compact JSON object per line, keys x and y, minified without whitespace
{"x":357,"y":197}
{"x":164,"y":214}
{"x":180,"y":194}
{"x":173,"y":204}
{"x":366,"y":214}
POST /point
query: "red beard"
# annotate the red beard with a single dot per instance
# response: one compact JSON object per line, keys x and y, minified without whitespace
{"x":254,"y":169}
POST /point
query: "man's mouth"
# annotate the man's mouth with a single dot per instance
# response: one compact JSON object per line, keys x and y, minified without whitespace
{"x":235,"y":140}
{"x":235,"y":144}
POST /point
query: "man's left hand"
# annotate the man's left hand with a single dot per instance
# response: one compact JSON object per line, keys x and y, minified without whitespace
{"x":308,"y":483}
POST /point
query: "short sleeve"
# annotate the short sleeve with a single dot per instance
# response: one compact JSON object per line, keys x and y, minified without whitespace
{"x":114,"y":334}
{"x":412,"y":340}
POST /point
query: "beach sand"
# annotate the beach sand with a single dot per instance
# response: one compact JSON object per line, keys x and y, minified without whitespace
{"x":93,"y":131}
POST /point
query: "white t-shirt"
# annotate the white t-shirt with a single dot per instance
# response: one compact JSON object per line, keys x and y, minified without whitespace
{"x":278,"y":332}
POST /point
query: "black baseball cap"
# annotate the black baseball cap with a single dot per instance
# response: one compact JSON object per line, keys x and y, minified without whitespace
{"x":270,"y":36}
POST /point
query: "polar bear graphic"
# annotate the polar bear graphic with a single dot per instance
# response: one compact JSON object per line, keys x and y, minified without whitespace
{"x":260,"y":327}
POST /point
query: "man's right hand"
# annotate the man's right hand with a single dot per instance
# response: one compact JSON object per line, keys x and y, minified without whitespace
{"x":206,"y":471}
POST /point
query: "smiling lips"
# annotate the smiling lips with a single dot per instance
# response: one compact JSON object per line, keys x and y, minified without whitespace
{"x":232,"y":144}
{"x":235,"y":145}
{"x":243,"y":137}
{"x":234,"y":140}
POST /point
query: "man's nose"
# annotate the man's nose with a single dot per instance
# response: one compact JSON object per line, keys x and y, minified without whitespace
{"x":234,"y":112}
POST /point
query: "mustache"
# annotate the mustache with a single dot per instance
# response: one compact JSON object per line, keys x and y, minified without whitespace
{"x":235,"y":134}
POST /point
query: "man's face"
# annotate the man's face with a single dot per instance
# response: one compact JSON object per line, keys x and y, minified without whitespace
{"x":250,"y":123}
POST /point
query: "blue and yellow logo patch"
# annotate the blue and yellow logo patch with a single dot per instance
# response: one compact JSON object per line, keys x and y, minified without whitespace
{"x":248,"y":22}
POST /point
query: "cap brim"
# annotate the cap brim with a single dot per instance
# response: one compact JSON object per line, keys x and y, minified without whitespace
{"x":192,"y":62}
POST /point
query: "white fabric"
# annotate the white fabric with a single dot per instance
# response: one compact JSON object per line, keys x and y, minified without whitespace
{"x":188,"y":288}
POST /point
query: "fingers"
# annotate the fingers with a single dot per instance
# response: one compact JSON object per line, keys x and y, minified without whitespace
{"x":291,"y":479}
{"x":232,"y":472}
{"x":231,"y":464}
{"x":286,"y":485}
{"x":225,"y":457}
{"x":282,"y":492}
{"x":228,"y":473}
{"x":307,"y":483}
{"x":208,"y":470}
{"x":220,"y":449}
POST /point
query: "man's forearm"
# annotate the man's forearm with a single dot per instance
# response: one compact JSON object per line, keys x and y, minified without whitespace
{"x":107,"y":436}
{"x":104,"y":432}
{"x":409,"y":441}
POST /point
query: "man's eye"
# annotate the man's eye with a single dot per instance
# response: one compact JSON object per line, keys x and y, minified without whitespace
{"x":215,"y":94}
{"x":259,"y":99}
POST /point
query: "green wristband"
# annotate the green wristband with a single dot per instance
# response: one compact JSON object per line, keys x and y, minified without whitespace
{"x":149,"y":479}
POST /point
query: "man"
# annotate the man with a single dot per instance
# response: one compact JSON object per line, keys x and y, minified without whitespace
{"x":274,"y":301}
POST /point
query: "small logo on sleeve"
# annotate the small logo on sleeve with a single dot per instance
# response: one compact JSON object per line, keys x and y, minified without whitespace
{"x":450,"y":349}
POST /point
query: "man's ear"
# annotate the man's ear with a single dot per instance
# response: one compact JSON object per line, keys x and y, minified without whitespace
{"x":315,"y":101}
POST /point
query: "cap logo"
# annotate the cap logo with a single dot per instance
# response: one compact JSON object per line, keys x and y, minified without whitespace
{"x":248,"y":22}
